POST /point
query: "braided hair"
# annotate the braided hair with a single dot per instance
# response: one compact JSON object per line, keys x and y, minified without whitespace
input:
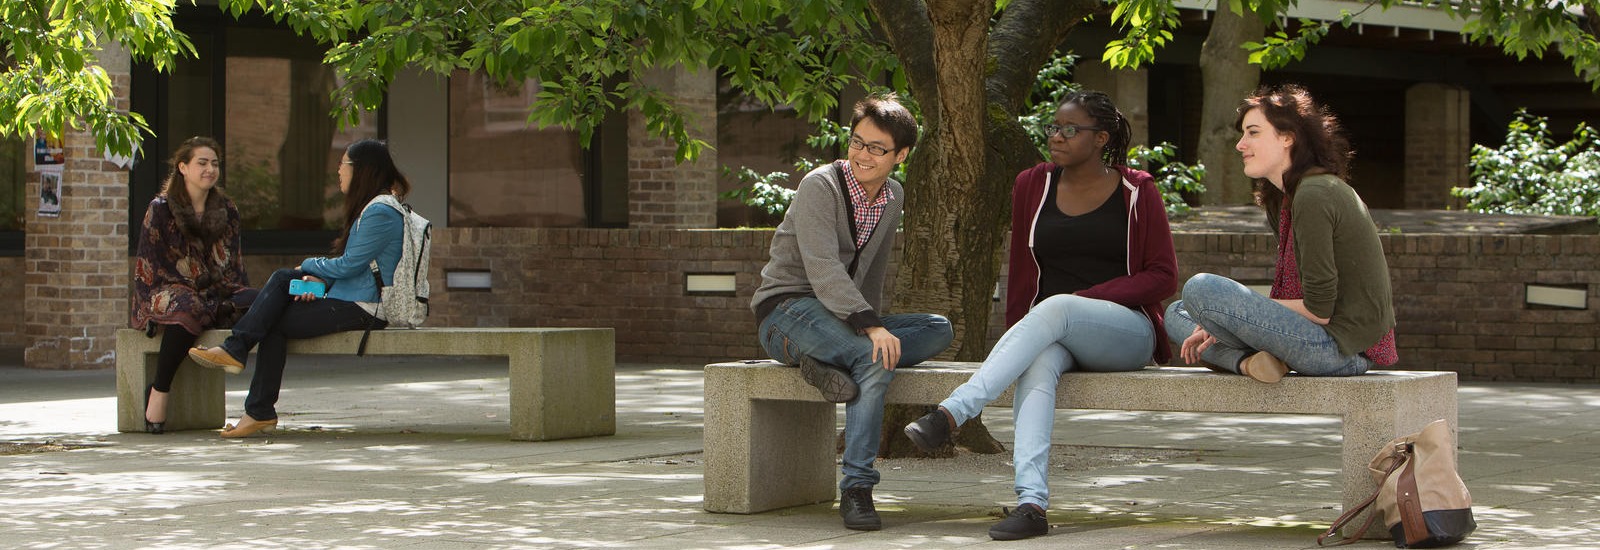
{"x":1098,"y":105}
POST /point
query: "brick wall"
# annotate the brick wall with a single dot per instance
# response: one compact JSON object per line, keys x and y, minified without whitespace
{"x":74,"y":292}
{"x":1458,"y":298}
{"x":631,"y":280}
{"x":663,"y":193}
{"x":1437,"y":144}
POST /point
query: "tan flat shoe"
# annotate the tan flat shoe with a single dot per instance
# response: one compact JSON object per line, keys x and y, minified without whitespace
{"x":216,"y":358}
{"x":248,"y":427}
{"x":1263,"y":367}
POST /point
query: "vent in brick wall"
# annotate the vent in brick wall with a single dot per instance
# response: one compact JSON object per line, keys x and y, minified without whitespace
{"x":709,"y":284}
{"x":468,"y":280}
{"x":1565,"y":297}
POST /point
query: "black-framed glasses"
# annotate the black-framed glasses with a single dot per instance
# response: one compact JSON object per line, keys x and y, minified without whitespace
{"x":1067,"y":131}
{"x":876,"y":150}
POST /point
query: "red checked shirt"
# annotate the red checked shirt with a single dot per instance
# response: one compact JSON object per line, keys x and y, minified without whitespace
{"x":868,"y":210}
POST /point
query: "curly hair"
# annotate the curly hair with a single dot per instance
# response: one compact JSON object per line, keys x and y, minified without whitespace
{"x":1098,"y":106}
{"x":1320,"y":145}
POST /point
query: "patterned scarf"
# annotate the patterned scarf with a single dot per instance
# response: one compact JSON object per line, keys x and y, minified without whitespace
{"x":1286,"y":286}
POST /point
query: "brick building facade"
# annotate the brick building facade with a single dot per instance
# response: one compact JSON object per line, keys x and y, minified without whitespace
{"x":1459,"y":299}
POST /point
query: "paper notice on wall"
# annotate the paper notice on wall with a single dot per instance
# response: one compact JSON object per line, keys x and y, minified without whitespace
{"x":122,"y":161}
{"x":50,"y":191}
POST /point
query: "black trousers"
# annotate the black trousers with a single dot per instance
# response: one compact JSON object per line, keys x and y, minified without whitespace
{"x":272,"y":321}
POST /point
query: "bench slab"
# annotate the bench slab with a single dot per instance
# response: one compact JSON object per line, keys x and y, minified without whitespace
{"x":769,"y":436}
{"x":563,"y":380}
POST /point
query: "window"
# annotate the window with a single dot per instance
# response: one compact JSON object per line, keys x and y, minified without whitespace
{"x":13,"y":183}
{"x":505,"y":172}
{"x":263,"y":92}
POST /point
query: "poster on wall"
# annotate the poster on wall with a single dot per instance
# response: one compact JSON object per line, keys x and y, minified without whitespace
{"x":48,"y":151}
{"x":50,"y":191}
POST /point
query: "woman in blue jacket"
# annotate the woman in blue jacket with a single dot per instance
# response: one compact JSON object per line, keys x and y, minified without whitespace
{"x":370,"y":235}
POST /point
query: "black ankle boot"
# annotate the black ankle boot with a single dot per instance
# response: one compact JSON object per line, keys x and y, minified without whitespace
{"x":855,"y":506}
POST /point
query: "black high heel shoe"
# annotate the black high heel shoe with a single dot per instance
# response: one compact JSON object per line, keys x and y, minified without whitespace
{"x":156,"y":428}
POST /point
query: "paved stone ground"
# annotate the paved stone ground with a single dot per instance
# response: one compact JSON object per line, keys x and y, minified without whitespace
{"x":412,"y":454}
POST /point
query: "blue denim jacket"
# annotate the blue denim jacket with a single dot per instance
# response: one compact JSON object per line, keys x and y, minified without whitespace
{"x":377,"y":234}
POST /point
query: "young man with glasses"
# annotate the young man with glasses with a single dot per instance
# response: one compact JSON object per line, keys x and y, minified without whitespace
{"x":821,"y":292}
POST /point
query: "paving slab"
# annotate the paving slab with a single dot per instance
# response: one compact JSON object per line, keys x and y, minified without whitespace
{"x":411,"y":453}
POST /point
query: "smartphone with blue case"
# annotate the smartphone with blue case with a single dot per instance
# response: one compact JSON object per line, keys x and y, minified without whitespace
{"x":302,"y":286}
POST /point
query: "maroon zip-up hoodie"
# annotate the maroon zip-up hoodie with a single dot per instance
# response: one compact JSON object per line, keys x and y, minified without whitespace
{"x":1152,"y":265}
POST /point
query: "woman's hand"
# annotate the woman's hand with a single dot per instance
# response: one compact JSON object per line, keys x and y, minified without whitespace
{"x":885,"y":345}
{"x":1195,"y":344}
{"x":1299,"y":306}
{"x":307,"y":296}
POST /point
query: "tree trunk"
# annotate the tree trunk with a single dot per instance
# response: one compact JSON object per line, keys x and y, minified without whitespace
{"x":1228,"y":76}
{"x":970,"y":85}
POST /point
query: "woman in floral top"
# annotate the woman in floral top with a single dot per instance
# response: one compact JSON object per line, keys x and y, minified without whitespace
{"x":1330,"y":313}
{"x":188,"y":274}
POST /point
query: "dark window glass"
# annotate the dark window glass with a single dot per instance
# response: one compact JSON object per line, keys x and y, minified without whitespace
{"x":13,"y":183}
{"x":505,"y":172}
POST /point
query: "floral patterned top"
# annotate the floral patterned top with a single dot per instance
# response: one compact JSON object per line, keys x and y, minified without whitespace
{"x":189,"y":270}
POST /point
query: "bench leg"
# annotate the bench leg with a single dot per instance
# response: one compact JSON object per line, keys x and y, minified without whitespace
{"x":197,"y":401}
{"x":1367,"y":431}
{"x":564,"y":385}
{"x":762,"y":455}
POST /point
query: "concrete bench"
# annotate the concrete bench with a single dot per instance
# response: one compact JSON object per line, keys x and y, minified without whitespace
{"x":563,"y":380}
{"x":769,"y":437}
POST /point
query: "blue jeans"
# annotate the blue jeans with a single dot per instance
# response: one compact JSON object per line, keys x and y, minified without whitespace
{"x":1064,"y":332}
{"x":1244,"y":322}
{"x":803,"y":326}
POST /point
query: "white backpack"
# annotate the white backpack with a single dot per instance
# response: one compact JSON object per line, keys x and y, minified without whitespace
{"x":405,"y":302}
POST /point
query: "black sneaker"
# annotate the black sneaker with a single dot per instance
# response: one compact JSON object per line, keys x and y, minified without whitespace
{"x":1024,"y":521}
{"x":930,"y":432}
{"x":855,"y":506}
{"x":834,"y":382}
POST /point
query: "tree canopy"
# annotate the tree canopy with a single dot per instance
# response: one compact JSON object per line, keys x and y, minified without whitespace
{"x":791,"y":53}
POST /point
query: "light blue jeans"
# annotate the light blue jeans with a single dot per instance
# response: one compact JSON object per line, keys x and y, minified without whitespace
{"x":803,"y":326}
{"x":1244,"y":322}
{"x":1064,"y":332}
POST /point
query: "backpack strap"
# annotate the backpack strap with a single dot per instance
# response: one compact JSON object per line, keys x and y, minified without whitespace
{"x":1401,"y":458}
{"x":366,"y":332}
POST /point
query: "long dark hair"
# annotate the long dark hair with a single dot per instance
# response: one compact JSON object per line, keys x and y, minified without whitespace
{"x":176,"y":188}
{"x":1098,"y":105}
{"x":1320,"y":146}
{"x":372,"y":173}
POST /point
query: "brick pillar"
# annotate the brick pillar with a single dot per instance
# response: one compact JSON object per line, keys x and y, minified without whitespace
{"x":75,"y":292}
{"x":661,"y":192}
{"x":1438,"y":145}
{"x":1129,"y":89}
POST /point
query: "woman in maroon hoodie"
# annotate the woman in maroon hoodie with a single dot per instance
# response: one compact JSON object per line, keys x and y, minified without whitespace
{"x":1091,"y":260}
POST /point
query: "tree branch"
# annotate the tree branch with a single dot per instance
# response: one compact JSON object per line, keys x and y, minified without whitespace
{"x":909,"y":31}
{"x":1027,"y":35}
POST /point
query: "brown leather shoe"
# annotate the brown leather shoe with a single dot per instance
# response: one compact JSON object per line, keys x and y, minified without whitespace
{"x":216,"y":358}
{"x":1263,"y":367}
{"x":248,"y":427}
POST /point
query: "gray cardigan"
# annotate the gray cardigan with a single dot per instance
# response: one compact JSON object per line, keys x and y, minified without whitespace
{"x":812,"y":249}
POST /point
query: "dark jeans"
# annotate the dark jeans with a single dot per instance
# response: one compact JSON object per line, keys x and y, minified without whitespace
{"x":272,"y":321}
